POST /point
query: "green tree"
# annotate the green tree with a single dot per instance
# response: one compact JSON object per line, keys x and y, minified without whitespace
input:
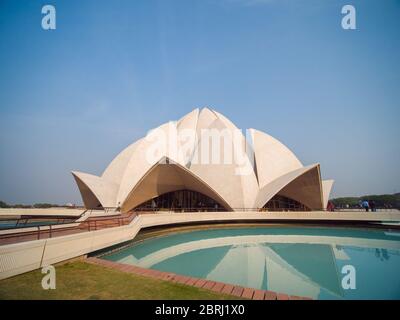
{"x":44,"y":205}
{"x":3,"y":205}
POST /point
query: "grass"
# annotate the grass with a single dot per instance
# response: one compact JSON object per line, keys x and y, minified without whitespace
{"x":80,"y":280}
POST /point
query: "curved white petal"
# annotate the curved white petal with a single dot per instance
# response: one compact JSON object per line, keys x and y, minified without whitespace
{"x":205,"y":119}
{"x":187,"y":136}
{"x":116,"y":169}
{"x":302,"y":185}
{"x":273,"y":159}
{"x":143,"y":158}
{"x":247,"y":173}
{"x":95,"y":190}
{"x":327,"y":188}
{"x":217,"y":166}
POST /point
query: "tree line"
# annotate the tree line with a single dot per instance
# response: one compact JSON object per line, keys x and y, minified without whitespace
{"x":381,"y":201}
{"x":27,"y":206}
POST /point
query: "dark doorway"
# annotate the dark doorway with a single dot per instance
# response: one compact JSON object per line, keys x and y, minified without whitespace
{"x":181,"y":200}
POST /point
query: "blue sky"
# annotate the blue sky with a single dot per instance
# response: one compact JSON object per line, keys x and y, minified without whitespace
{"x":72,"y":98}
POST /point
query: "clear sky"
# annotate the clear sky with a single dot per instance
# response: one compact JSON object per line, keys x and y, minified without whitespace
{"x":72,"y":98}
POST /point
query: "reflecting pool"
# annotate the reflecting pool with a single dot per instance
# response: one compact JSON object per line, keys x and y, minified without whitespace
{"x":296,"y":261}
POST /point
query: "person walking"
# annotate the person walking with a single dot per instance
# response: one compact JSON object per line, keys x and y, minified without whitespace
{"x":372,"y":205}
{"x":365,"y":205}
{"x":330,"y":206}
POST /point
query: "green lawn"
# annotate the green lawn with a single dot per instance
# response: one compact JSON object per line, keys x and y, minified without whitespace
{"x":80,"y":280}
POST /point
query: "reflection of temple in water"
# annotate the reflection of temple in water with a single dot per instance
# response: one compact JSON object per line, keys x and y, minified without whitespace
{"x":297,"y":265}
{"x":297,"y":269}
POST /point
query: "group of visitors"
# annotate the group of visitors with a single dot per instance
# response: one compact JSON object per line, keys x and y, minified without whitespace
{"x":368,"y":205}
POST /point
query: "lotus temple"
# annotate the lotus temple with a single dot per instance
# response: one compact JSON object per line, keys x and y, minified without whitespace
{"x":275,"y":179}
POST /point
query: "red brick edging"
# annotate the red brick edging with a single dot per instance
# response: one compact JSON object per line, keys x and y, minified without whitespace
{"x":238,"y":291}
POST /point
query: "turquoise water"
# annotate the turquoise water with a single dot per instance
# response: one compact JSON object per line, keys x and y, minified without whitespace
{"x":12,"y":224}
{"x":297,"y":261}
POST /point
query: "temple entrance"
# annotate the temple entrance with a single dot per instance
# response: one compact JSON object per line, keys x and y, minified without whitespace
{"x":282,"y":203}
{"x":181,"y":200}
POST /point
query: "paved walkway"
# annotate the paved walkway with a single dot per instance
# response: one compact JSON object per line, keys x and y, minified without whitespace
{"x":224,"y":288}
{"x":46,"y":232}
